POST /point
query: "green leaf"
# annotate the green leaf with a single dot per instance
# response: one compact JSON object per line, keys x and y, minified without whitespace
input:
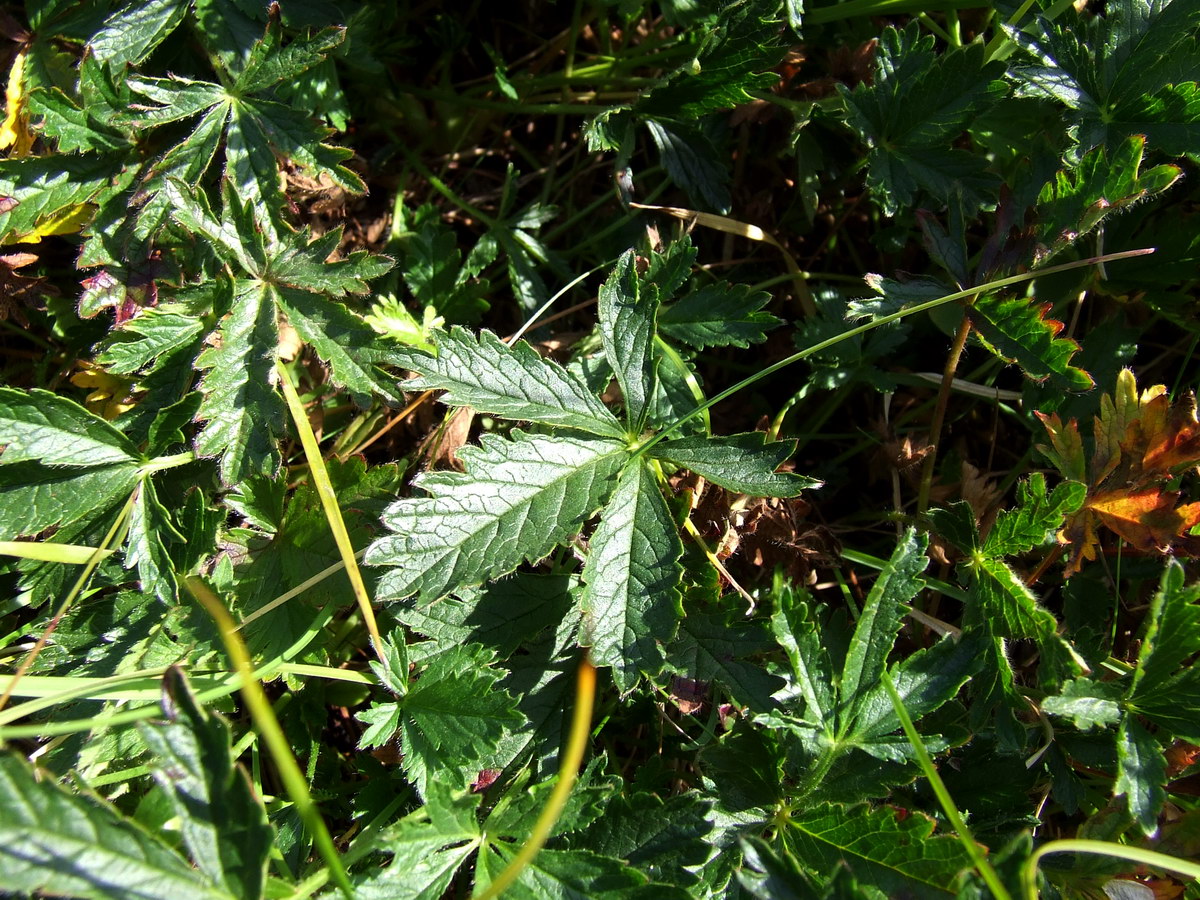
{"x":344,"y":341}
{"x":60,"y":843}
{"x":131,"y":34}
{"x":897,"y":583}
{"x":1021,"y":332}
{"x":913,"y":111}
{"x":665,"y":838}
{"x":1114,"y":73}
{"x":808,"y":658}
{"x":502,"y":614}
{"x":147,"y":336}
{"x":300,"y":547}
{"x":1171,"y":633}
{"x":269,"y":63}
{"x":227,"y":31}
{"x":1087,"y":703}
{"x":627,"y":326}
{"x":34,"y":497}
{"x":1141,"y":774}
{"x":74,"y":128}
{"x":222,"y":821}
{"x":427,"y":846}
{"x":243,"y":412}
{"x":925,"y":681}
{"x":519,"y":499}
{"x":1036,"y":517}
{"x":631,"y":599}
{"x":709,"y":647}
{"x":1006,"y":603}
{"x":514,"y":382}
{"x":150,"y":528}
{"x":897,"y":854}
{"x":691,"y":160}
{"x":38,"y":425}
{"x":450,"y":720}
{"x":719,"y":315}
{"x":35,"y":189}
{"x":768,"y":875}
{"x":555,"y":874}
{"x":743,"y":463}
{"x":1080,"y":199}
{"x":737,"y":52}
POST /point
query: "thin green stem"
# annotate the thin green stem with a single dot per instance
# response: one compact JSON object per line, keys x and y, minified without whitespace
{"x":989,"y":875}
{"x":1101,"y":848}
{"x":877,"y":323}
{"x":162,"y":463}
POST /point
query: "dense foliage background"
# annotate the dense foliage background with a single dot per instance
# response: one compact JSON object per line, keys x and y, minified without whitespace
{"x":798,"y":365}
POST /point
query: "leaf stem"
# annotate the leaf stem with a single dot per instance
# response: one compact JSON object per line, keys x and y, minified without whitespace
{"x":989,"y":875}
{"x":161,"y":463}
{"x":272,"y":734}
{"x":1101,"y":848}
{"x":877,"y":323}
{"x":329,"y":502}
{"x":939,"y":411}
{"x":585,"y":698}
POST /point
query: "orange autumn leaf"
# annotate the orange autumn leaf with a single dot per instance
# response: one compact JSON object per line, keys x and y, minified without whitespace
{"x":1142,"y":442}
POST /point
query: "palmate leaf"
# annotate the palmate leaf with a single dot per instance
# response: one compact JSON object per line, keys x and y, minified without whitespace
{"x":744,"y":463}
{"x":451,"y":718}
{"x":258,"y":132}
{"x":61,"y":843}
{"x":486,"y":374}
{"x":519,"y":498}
{"x":275,"y":276}
{"x":223,"y":822}
{"x":1118,"y":74}
{"x":1079,"y":199}
{"x":631,"y":599}
{"x":914,"y":109}
{"x":894,"y":853}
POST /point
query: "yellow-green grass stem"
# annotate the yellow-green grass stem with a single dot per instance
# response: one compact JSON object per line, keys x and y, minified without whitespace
{"x":329,"y":502}
{"x":585,"y":698}
{"x":1151,"y":858}
{"x":114,"y":537}
{"x":271,"y":733}
{"x":982,"y":866}
{"x":226,"y":684}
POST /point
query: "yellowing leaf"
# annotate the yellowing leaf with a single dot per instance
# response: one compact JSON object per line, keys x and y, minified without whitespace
{"x":15,"y":135}
{"x":68,"y":220}
{"x":110,"y":396}
{"x":1141,"y":443}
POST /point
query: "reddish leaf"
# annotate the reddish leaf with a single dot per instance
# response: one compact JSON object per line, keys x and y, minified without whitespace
{"x":1141,"y":444}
